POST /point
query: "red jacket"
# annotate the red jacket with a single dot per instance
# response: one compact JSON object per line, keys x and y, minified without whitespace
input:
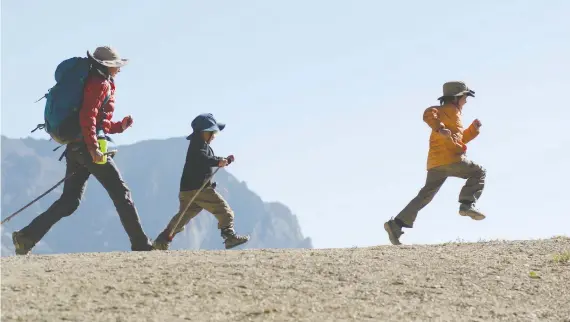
{"x":92,"y":112}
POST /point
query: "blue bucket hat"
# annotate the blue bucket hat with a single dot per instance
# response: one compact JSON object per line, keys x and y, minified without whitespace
{"x":205,"y":123}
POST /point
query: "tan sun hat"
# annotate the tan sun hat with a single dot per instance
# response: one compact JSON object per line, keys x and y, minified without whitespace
{"x":107,"y":56}
{"x":456,"y":88}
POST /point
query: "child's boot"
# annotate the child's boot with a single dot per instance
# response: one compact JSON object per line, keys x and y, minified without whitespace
{"x":162,"y":242}
{"x":231,"y":239}
{"x":468,"y":209}
{"x":394,"y":230}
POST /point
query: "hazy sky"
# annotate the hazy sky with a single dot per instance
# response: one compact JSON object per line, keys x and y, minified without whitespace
{"x":324,"y":99}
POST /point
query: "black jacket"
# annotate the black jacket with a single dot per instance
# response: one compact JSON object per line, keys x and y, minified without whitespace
{"x":200,"y":160}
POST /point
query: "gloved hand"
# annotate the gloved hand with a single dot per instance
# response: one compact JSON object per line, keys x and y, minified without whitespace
{"x":96,"y":155}
{"x":222,"y":163}
{"x":230,"y":159}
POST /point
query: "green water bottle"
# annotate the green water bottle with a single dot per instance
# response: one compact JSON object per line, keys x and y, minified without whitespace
{"x":102,"y":140}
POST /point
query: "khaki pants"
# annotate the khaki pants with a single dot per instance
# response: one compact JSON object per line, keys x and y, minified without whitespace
{"x":208,"y":199}
{"x":471,"y":191}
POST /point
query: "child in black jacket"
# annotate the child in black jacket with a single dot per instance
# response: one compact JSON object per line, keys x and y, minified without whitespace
{"x":200,"y":159}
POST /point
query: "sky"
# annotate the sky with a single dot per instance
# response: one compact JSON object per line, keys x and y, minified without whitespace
{"x":323,"y":99}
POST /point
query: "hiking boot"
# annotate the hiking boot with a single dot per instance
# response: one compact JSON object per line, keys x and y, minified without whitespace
{"x":231,"y":239}
{"x":161,"y":242}
{"x":22,"y":245}
{"x":394,"y":231}
{"x":468,"y":210}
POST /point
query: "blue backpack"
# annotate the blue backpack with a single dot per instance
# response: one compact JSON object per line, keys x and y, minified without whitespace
{"x":64,"y":100}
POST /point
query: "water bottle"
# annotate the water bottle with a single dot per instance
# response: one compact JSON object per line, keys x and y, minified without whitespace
{"x":102,"y":140}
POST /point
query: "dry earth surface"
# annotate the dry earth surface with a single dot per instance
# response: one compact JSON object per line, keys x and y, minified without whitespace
{"x":487,"y":281}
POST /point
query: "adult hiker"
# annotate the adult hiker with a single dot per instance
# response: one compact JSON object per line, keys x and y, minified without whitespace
{"x":197,"y":173}
{"x":84,"y":155}
{"x":447,"y":158}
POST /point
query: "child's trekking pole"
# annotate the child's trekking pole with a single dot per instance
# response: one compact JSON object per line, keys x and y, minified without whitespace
{"x":171,"y":233}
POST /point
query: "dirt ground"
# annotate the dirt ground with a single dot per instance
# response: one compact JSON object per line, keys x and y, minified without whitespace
{"x":488,"y":281}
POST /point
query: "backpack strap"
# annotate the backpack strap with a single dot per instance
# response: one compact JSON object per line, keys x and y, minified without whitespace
{"x":107,"y":98}
{"x":99,"y":127}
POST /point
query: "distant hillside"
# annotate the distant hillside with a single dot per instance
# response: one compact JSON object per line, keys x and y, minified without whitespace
{"x":30,"y":167}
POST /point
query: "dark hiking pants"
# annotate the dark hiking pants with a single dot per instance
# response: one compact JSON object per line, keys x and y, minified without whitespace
{"x":470,"y":193}
{"x":79,"y":161}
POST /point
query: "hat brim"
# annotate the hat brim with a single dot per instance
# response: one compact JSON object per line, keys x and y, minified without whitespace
{"x":214,"y":128}
{"x":468,"y":93}
{"x":109,"y":63}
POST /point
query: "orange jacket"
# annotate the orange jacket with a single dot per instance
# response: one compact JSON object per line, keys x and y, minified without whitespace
{"x":447,"y":150}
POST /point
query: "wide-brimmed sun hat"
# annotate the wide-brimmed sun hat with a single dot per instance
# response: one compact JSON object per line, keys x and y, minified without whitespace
{"x":107,"y":56}
{"x":455,"y":89}
{"x":206,"y":123}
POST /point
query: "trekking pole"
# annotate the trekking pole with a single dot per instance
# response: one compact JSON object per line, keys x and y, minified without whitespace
{"x":38,"y":198}
{"x":42,"y":195}
{"x":170,"y":234}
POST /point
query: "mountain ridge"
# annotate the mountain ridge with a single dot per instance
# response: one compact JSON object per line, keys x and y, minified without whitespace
{"x":30,"y":167}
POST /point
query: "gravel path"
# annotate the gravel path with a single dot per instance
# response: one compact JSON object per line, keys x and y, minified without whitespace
{"x":452,"y":282}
